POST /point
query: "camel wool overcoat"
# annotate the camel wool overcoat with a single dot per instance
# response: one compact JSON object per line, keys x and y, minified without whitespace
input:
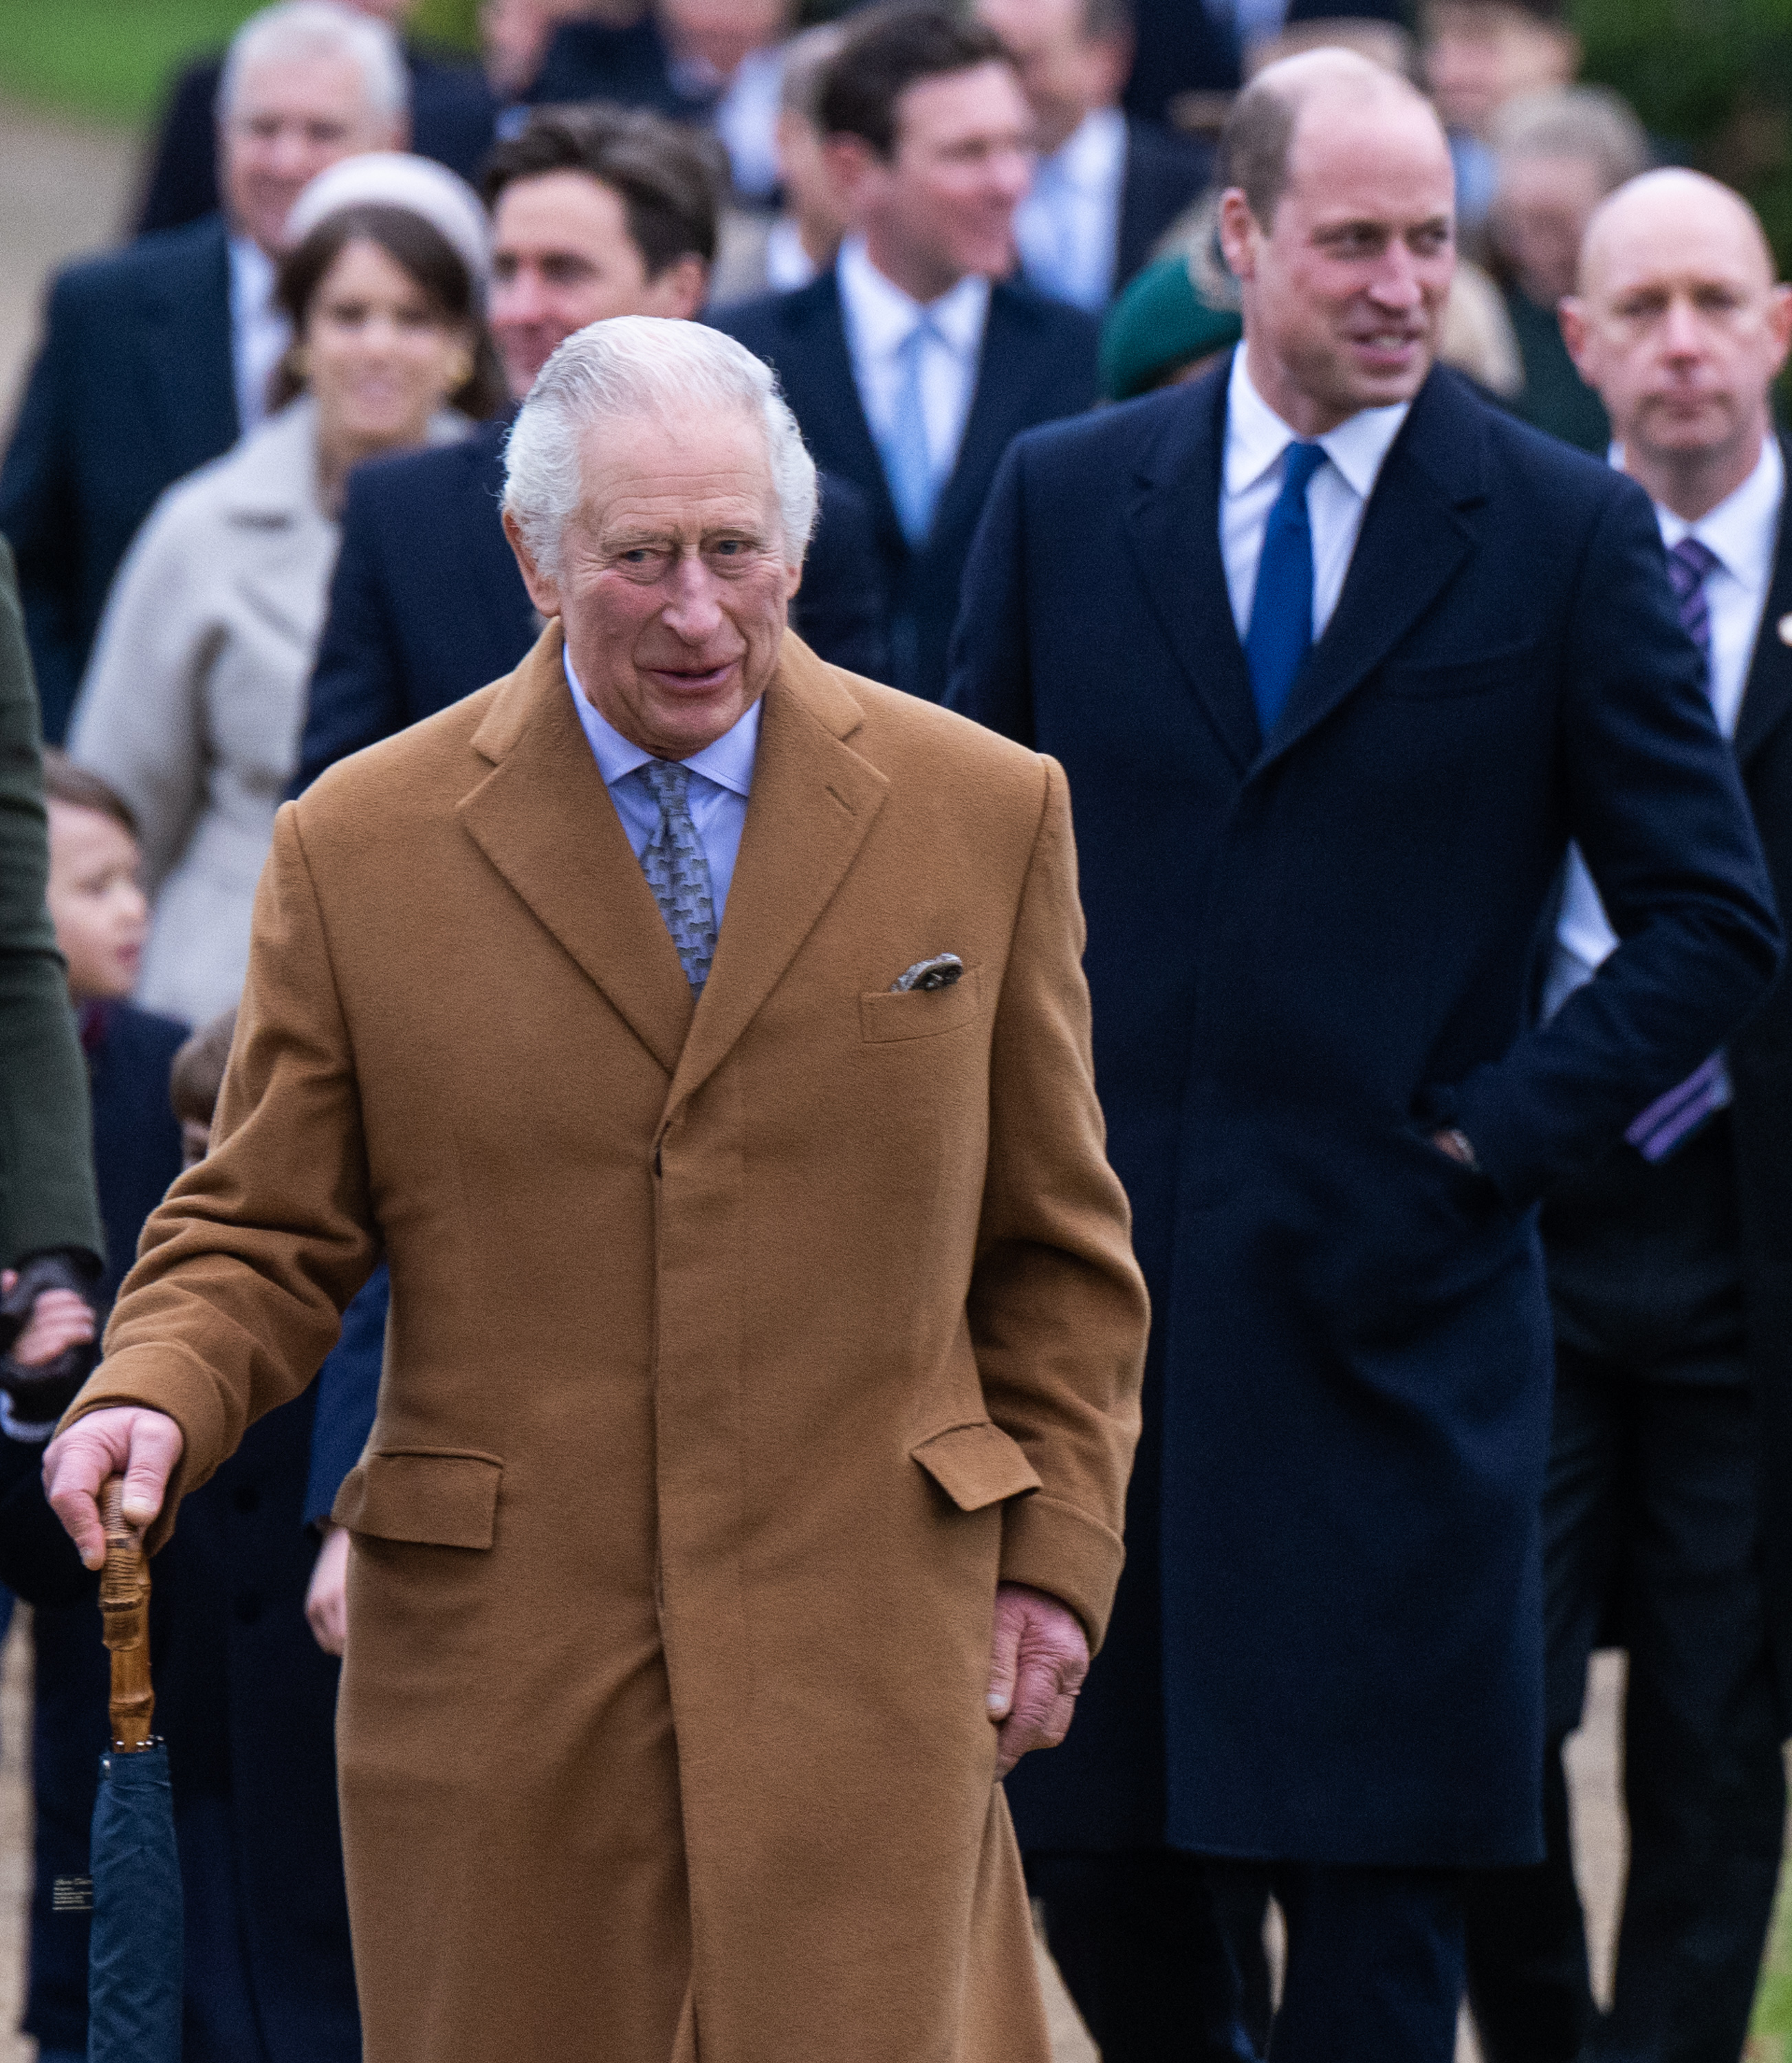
{"x":735,"y":1355}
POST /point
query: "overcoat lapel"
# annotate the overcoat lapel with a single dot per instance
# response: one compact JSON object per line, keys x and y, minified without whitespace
{"x":194,"y":383}
{"x":1172,"y":519}
{"x":1001,"y":407}
{"x":1768,"y":697}
{"x":813,"y":800}
{"x":819,"y":376}
{"x":544,"y":819}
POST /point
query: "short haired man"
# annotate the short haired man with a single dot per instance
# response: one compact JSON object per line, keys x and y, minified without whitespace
{"x":1668,"y":1503}
{"x":1479,"y":56}
{"x":1106,"y":187}
{"x":1337,"y":658}
{"x":156,"y":358}
{"x":700,"y":1032}
{"x":914,"y":362}
{"x":596,"y":212}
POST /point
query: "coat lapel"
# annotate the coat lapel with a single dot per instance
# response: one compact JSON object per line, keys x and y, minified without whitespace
{"x":813,"y":801}
{"x":194,"y":376}
{"x":818,"y":375}
{"x":1172,"y":519}
{"x":1768,"y":696}
{"x":1413,"y":541}
{"x":1001,"y":407}
{"x":544,"y":819}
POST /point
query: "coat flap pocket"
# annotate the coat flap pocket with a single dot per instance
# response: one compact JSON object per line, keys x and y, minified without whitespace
{"x":435,"y":1499}
{"x":918,"y":1013}
{"x":977,"y":1465}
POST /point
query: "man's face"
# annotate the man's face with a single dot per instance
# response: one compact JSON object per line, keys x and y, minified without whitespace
{"x":674,"y":586}
{"x":1343,"y":294}
{"x":942,"y":205}
{"x":1539,"y":215}
{"x":1478,"y":56}
{"x":722,"y":33}
{"x":293,"y":119}
{"x":1065,"y":73}
{"x":1680,"y":326}
{"x":562,"y":257}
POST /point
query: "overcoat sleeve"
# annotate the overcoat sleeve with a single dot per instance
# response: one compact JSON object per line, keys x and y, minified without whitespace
{"x":1057,"y":1309}
{"x":245,"y":1268}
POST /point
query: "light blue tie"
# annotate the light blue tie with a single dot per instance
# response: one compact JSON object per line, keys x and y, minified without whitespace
{"x":678,"y":870}
{"x":1281,"y":632}
{"x":908,"y":465}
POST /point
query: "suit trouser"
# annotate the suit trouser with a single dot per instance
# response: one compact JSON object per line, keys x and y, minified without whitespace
{"x":1374,"y":1970}
{"x":1652,"y":1499}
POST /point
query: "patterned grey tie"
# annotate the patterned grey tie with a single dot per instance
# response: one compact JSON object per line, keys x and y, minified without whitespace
{"x":678,"y":870}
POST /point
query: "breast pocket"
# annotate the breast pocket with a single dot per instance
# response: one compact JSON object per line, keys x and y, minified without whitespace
{"x":1508,"y":666}
{"x":920,"y":1013}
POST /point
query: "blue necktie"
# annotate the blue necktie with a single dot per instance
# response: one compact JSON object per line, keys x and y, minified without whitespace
{"x":678,"y":870}
{"x":1281,"y":632}
{"x":908,"y":465}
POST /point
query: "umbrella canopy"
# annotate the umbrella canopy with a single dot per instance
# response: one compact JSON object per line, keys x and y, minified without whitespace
{"x":134,"y":1984}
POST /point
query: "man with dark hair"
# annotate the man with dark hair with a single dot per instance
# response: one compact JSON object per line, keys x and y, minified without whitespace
{"x":596,"y":212}
{"x":914,"y":362}
{"x":1338,"y":657}
{"x":1107,"y":187}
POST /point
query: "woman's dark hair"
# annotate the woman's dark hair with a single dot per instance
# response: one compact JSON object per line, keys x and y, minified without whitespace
{"x":421,"y":250}
{"x":888,"y":49}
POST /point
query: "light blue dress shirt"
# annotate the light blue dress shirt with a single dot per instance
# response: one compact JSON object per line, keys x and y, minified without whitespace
{"x":722,"y":780}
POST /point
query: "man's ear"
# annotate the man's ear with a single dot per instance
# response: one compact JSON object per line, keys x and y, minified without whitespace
{"x":1571,"y":312}
{"x":1237,"y":229}
{"x":680,"y":290}
{"x":850,"y":161}
{"x":1779,"y":320}
{"x":543,"y":592}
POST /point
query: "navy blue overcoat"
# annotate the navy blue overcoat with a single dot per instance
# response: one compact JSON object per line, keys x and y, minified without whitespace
{"x":1307,"y":953}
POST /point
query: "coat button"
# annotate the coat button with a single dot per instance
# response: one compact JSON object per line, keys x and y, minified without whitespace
{"x":248,"y":1606}
{"x":247,"y":1498}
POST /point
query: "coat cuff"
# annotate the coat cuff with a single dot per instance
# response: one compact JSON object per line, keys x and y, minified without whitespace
{"x":169,"y":1380}
{"x":1052,"y":1546}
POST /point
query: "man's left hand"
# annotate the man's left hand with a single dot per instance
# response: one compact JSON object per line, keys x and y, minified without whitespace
{"x":1038,"y":1659}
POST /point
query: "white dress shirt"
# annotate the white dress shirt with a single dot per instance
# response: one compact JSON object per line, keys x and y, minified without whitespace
{"x":879,"y":316}
{"x":1256,"y":442}
{"x":1741,"y":533}
{"x":259,"y":331}
{"x":788,"y":264}
{"x":1068,"y":227}
{"x":721,"y":782}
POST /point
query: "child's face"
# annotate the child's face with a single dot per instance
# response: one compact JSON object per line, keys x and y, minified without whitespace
{"x":100,"y":912}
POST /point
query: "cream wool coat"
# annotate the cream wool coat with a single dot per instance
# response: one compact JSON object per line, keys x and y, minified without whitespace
{"x":734,"y":1356}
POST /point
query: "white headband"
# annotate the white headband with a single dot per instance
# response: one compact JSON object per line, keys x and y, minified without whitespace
{"x":396,"y":178}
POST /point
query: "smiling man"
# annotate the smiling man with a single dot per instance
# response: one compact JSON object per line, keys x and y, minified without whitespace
{"x":1338,"y":659}
{"x":699,"y":1032}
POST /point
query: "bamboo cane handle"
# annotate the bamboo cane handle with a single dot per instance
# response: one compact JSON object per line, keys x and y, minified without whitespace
{"x":124,"y":1591}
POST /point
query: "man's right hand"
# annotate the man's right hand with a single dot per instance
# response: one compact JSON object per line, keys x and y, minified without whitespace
{"x":125,"y":1439}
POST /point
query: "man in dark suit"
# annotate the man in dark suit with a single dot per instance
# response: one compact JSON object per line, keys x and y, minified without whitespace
{"x":1338,"y":659}
{"x":155,"y":358}
{"x":1107,"y":184}
{"x":912,"y":364}
{"x":1667,"y":1512}
{"x":453,"y":114}
{"x":595,"y":213}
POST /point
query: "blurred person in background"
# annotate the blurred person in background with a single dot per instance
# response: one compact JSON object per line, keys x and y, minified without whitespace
{"x":1559,"y":154}
{"x":193,"y":704}
{"x":155,"y":359}
{"x":1106,"y":187}
{"x":452,"y":111}
{"x":914,"y":362}
{"x":1667,"y":1512}
{"x":596,"y":212}
{"x":1193,"y":55}
{"x":760,"y":253}
{"x":1479,"y":55}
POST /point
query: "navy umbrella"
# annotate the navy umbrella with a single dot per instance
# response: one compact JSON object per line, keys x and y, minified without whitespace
{"x":134,"y":1970}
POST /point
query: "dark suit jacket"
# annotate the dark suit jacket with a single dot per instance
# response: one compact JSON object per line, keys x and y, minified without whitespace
{"x":1164,"y":172}
{"x":427,"y":604}
{"x":453,"y":114}
{"x":132,"y":389}
{"x":587,"y":61}
{"x":1038,"y":364}
{"x":1306,"y":955}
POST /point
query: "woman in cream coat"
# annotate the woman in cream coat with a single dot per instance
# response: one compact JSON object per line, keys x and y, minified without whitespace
{"x":194,"y":703}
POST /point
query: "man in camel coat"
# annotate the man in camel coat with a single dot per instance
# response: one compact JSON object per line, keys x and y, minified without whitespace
{"x":763,"y":1371}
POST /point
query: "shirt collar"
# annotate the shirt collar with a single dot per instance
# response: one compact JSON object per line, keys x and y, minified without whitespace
{"x":1742,"y":530}
{"x":1091,"y":157}
{"x":883,"y":315}
{"x":1256,"y":437}
{"x":251,"y":275}
{"x":728,"y":761}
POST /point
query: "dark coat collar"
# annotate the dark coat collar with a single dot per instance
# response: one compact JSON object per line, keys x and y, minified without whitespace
{"x":1768,"y":697}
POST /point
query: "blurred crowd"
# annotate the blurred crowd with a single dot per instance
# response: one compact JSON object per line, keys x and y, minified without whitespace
{"x":251,"y":494}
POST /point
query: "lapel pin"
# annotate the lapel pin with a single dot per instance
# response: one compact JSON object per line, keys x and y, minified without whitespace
{"x":1785,"y":629}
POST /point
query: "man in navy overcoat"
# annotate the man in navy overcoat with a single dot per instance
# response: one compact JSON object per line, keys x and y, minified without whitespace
{"x":1338,"y":659}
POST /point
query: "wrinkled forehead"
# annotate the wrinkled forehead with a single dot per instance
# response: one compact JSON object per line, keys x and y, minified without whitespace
{"x":686,"y":473}
{"x":326,"y":81}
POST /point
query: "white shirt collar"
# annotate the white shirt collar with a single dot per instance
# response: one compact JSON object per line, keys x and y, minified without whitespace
{"x":251,"y":275}
{"x":1091,"y":158}
{"x":1256,"y":437}
{"x":883,"y":314}
{"x":1743,"y":529}
{"x":728,"y":761}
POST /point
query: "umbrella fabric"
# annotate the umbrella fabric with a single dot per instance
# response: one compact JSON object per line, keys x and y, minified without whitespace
{"x":135,"y":1965}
